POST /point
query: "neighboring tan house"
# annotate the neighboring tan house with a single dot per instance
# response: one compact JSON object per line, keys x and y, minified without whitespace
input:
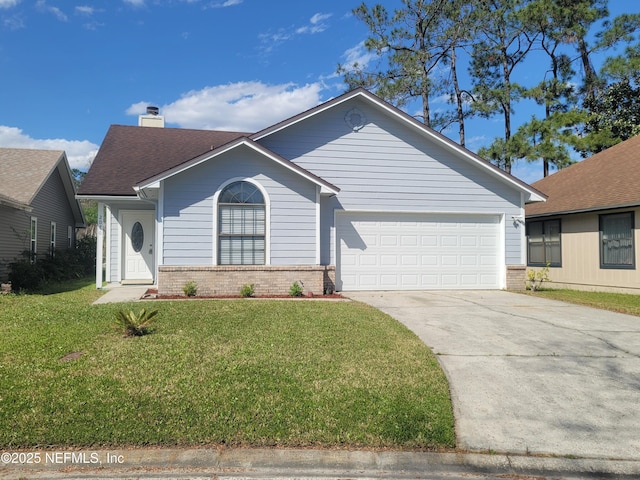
{"x":587,"y":230}
{"x":353,"y":194}
{"x":38,"y":209}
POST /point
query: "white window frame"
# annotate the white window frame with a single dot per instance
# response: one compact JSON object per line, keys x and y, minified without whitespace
{"x":33,"y":244}
{"x":52,"y":239}
{"x":216,"y":219}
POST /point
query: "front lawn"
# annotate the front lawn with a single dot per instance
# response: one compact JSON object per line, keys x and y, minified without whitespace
{"x":616,"y":302}
{"x":235,"y":372}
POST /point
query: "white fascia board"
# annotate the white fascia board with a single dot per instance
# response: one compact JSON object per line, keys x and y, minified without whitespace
{"x":109,"y":198}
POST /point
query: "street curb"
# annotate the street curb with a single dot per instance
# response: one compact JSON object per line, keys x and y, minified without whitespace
{"x":299,"y":463}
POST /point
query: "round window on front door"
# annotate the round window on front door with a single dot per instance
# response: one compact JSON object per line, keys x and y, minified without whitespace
{"x":137,"y":237}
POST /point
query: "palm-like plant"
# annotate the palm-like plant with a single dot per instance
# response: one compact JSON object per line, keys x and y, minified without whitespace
{"x":133,"y":325}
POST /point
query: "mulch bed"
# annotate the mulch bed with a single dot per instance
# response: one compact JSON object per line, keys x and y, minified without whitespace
{"x":152,"y":294}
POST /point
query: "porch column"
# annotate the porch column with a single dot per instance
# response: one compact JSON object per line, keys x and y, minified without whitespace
{"x":99,"y":244}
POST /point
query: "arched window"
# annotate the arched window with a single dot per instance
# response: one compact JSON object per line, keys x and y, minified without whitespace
{"x":241,"y":225}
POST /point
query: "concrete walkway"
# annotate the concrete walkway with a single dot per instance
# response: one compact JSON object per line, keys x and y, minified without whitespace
{"x":116,"y":293}
{"x":530,"y":375}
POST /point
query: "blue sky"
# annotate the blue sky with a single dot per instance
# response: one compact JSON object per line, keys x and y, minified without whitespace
{"x":69,"y":69}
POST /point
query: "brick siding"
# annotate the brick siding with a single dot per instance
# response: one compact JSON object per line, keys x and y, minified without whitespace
{"x":228,"y":280}
{"x":516,"y":276}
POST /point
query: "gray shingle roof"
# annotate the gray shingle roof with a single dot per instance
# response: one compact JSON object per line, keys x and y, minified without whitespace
{"x":23,"y":172}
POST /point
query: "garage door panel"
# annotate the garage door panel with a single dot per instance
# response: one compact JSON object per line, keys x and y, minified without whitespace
{"x":416,"y":251}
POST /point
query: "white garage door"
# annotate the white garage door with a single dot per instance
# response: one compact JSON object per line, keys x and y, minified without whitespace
{"x":387,"y":251}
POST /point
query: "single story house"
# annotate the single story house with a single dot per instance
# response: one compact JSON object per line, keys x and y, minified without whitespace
{"x":353,"y":194}
{"x":586,"y":230}
{"x":38,"y":209}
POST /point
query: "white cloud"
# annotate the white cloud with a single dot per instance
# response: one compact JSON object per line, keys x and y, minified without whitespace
{"x":134,"y":3}
{"x":316,"y":24}
{"x":85,"y":10}
{"x":59,"y":14}
{"x":8,"y":3}
{"x":358,"y":57}
{"x":80,"y":153}
{"x":14,"y":23}
{"x":243,"y":106}
{"x":228,"y":3}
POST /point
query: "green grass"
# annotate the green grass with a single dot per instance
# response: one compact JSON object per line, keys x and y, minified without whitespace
{"x":616,"y":302}
{"x":254,"y":373}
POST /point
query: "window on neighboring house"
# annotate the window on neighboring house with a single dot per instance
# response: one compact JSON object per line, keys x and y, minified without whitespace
{"x":70,"y":243}
{"x":616,"y":241}
{"x":241,"y":225}
{"x":543,"y":243}
{"x":33,"y":248}
{"x":52,"y":240}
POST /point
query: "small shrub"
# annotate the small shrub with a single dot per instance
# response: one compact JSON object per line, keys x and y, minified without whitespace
{"x":29,"y":273}
{"x":296,"y":289}
{"x":535,"y":279}
{"x":25,"y":275}
{"x":190,"y":289}
{"x":133,"y":325}
{"x":247,"y":290}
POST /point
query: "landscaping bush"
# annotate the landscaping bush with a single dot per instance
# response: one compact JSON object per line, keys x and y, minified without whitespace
{"x":247,"y":290}
{"x":28,"y":275}
{"x":296,"y":289}
{"x":190,"y":288}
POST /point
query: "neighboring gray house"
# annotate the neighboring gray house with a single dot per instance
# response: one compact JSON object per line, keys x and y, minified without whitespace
{"x":38,"y":209}
{"x":353,"y":194}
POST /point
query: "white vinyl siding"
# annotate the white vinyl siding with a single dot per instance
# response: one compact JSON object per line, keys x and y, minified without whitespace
{"x":189,"y":210}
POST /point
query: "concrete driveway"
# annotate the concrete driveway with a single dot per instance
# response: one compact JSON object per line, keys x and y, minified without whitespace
{"x":529,"y":374}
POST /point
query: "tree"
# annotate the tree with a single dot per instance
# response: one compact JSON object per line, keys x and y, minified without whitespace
{"x":549,"y":138}
{"x":458,"y":34}
{"x":417,"y":52}
{"x":614,"y":116}
{"x":502,"y":42}
{"x":405,"y":43}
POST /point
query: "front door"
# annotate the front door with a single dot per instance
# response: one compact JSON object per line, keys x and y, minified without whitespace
{"x":138,"y":237}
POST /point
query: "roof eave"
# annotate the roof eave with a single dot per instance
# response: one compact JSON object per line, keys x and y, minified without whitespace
{"x":8,"y":202}
{"x":585,"y":210}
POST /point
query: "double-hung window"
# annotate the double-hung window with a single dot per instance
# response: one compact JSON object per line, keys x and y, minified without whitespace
{"x":241,"y":225}
{"x":544,"y":243}
{"x":617,"y":248}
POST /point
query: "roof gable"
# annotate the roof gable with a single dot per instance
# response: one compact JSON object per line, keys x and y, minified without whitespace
{"x":531,"y":194}
{"x":608,"y":179}
{"x":152,"y":182}
{"x":23,"y":173}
